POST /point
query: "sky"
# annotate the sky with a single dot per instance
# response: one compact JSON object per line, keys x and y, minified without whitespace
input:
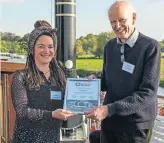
{"x":19,"y":16}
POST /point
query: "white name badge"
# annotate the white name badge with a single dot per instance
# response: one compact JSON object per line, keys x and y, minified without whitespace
{"x":55,"y":95}
{"x":128,"y":67}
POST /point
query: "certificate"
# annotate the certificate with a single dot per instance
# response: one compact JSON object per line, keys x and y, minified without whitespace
{"x":81,"y":94}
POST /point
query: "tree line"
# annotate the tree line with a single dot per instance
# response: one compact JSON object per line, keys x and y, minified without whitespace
{"x":89,"y":46}
{"x":12,"y":43}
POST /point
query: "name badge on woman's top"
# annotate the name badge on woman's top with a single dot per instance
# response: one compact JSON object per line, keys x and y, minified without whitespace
{"x":128,"y":67}
{"x":56,"y":95}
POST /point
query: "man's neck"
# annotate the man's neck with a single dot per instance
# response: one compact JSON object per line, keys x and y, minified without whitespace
{"x":123,"y":40}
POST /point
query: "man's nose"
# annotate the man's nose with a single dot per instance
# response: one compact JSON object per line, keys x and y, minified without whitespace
{"x":117,"y":25}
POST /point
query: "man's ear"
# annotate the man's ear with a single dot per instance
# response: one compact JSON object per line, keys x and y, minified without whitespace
{"x":134,"y":18}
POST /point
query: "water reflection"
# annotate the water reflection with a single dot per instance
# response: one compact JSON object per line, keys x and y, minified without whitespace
{"x":17,"y":60}
{"x":160,"y":91}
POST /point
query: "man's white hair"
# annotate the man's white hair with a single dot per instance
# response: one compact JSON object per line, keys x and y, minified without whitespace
{"x":126,"y":1}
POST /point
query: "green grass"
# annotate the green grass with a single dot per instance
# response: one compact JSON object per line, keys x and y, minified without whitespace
{"x":162,"y":54}
{"x":96,"y":65}
{"x":162,"y":71}
{"x":89,"y":64}
{"x":162,"y":65}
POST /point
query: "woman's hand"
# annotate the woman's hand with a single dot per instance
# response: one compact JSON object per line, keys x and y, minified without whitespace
{"x":62,"y":114}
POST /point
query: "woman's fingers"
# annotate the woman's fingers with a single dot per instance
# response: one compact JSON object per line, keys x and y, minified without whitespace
{"x":65,"y":111}
{"x":62,"y":114}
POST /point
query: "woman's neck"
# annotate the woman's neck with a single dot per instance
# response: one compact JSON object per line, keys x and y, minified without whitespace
{"x":43,"y":67}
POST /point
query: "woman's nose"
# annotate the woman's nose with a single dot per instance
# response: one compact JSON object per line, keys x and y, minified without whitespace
{"x":46,"y":49}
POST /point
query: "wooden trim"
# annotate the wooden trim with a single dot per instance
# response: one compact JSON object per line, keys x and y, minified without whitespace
{"x":3,"y":140}
{"x":1,"y":112}
{"x":12,"y":114}
{"x":5,"y":111}
{"x":11,"y":67}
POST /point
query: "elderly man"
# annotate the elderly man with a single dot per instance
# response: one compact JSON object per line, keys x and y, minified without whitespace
{"x":131,"y":72}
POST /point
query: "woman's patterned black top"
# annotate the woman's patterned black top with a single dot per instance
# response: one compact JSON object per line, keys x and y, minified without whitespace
{"x":34,"y":122}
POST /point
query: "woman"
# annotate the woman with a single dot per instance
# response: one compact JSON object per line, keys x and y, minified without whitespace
{"x":37,"y":91}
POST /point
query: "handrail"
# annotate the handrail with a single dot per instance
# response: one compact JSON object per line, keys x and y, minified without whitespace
{"x":11,"y":67}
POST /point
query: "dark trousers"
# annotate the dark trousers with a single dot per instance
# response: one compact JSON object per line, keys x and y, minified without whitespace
{"x":94,"y":137}
{"x":139,"y":136}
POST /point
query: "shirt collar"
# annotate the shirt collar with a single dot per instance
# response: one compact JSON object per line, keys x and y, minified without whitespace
{"x":132,"y":40}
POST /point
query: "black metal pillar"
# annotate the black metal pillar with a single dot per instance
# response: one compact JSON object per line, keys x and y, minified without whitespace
{"x":65,"y":22}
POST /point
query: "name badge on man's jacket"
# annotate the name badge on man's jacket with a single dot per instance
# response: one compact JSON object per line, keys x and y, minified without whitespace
{"x":128,"y":67}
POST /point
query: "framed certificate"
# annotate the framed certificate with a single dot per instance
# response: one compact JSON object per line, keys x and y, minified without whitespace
{"x":81,"y":94}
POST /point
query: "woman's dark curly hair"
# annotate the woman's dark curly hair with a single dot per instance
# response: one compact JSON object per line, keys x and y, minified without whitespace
{"x":34,"y":77}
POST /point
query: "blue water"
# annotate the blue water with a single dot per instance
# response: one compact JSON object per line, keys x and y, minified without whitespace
{"x":160,"y":91}
{"x":17,"y":60}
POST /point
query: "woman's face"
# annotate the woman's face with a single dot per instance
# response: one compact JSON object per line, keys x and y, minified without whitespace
{"x":44,"y":50}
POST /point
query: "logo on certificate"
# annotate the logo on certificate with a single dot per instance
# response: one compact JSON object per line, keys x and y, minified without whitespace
{"x":82,"y":84}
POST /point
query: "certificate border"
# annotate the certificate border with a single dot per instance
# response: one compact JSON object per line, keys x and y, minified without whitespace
{"x":80,"y":79}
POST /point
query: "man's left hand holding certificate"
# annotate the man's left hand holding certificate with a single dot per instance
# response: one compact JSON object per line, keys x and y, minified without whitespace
{"x":81,"y":95}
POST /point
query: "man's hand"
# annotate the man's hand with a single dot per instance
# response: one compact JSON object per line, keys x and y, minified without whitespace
{"x":92,"y":76}
{"x":97,"y":113}
{"x":102,"y":97}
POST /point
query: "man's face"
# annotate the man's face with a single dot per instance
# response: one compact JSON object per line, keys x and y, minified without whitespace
{"x":122,"y":21}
